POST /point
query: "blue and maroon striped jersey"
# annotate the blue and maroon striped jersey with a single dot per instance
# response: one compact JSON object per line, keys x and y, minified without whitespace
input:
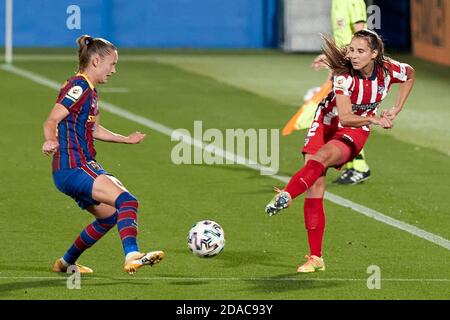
{"x":75,"y":132}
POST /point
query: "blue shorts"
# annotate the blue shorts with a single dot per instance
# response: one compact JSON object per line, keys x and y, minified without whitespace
{"x":78,"y":182}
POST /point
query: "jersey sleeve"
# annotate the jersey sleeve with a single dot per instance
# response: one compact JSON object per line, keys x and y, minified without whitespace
{"x":71,"y":92}
{"x":397,"y":71}
{"x":357,"y":11}
{"x":343,"y":85}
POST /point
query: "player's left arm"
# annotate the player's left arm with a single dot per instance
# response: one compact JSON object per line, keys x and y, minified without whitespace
{"x":103,"y":134}
{"x":403,"y":93}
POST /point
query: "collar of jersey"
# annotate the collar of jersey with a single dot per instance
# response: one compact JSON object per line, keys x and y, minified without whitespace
{"x":372,"y":77}
{"x":87,"y":79}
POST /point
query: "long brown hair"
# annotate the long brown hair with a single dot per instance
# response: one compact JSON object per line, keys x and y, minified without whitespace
{"x":336,"y":57}
{"x":89,"y":46}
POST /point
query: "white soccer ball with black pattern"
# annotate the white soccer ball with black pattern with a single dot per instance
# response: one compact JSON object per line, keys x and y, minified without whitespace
{"x":206,"y":239}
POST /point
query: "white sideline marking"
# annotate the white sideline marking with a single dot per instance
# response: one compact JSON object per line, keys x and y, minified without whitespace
{"x":438,"y":240}
{"x":63,"y":278}
{"x":38,"y":57}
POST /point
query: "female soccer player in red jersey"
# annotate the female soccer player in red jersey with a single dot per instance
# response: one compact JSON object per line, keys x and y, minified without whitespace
{"x":362,"y":77}
{"x":69,"y":132}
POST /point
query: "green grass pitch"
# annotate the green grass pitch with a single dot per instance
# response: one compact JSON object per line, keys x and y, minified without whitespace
{"x":410,"y":170}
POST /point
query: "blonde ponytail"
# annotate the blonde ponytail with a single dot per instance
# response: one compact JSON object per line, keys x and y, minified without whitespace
{"x":89,"y":46}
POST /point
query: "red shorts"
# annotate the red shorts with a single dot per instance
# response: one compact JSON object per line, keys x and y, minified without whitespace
{"x":319,"y":134}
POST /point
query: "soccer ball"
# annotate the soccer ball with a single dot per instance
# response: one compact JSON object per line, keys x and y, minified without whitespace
{"x":206,"y":239}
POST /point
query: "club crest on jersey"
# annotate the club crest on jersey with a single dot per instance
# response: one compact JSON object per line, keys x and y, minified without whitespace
{"x":339,"y":82}
{"x":74,"y":93}
{"x":381,"y":89}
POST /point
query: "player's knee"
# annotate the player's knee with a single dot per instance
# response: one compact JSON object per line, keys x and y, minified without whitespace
{"x":328,"y":155}
{"x":319,"y":185}
{"x":108,"y":222}
{"x":322,"y":156}
{"x":317,"y":190}
{"x":127,"y":199}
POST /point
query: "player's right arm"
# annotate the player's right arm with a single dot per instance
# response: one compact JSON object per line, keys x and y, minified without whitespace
{"x":72,"y":91}
{"x":51,"y":144}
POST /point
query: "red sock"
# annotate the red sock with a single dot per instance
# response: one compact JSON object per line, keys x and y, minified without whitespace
{"x":304,"y":178}
{"x":315,"y":224}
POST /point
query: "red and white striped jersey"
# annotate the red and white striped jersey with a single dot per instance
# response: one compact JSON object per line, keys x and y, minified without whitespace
{"x":365,"y":94}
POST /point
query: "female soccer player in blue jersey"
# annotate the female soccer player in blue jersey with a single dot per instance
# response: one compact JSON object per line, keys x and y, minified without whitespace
{"x":362,"y":77}
{"x":69,"y":132}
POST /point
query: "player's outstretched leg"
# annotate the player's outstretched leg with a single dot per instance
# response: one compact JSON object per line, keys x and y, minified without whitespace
{"x":280,"y":201}
{"x":138,"y":260}
{"x":127,"y":206}
{"x":298,"y":184}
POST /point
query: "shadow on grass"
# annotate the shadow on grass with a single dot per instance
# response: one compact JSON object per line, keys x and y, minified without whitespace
{"x":26,"y":267}
{"x":23,"y":283}
{"x":293,"y":282}
{"x":236,"y":259}
{"x":189,"y":283}
{"x":24,"y":286}
{"x":136,"y":281}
